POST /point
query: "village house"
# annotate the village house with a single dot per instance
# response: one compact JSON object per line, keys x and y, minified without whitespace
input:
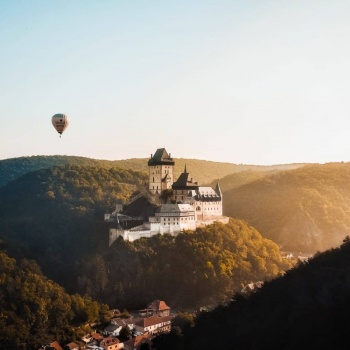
{"x":155,"y":318}
{"x":115,"y":326}
{"x":154,"y":325}
{"x":135,"y":342}
{"x":74,"y":346}
{"x":157,"y":307}
{"x":94,"y":342}
{"x":111,"y":343}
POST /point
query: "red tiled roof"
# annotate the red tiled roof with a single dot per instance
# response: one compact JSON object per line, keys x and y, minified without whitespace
{"x":136,"y":341}
{"x":152,"y":320}
{"x":97,"y":336}
{"x":56,"y":345}
{"x":73,"y":345}
{"x":109,"y":341}
{"x":158,"y":305}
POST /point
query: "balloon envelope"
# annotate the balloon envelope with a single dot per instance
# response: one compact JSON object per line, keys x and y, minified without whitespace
{"x":60,"y":122}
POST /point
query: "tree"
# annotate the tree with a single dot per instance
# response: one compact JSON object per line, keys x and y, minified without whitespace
{"x":124,"y":334}
{"x":145,"y":346}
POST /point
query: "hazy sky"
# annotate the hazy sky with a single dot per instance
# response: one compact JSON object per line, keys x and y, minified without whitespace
{"x":252,"y":82}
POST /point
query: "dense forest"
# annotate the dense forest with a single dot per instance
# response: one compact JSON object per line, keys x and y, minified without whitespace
{"x":307,"y":308}
{"x":302,"y":210}
{"x":55,"y":217}
{"x":34,"y":310}
{"x":195,"y":268}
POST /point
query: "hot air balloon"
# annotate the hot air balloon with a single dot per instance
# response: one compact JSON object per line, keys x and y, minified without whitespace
{"x":60,"y":122}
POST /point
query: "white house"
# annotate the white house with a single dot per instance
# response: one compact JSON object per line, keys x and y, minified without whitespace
{"x":115,"y":326}
{"x":154,"y":324}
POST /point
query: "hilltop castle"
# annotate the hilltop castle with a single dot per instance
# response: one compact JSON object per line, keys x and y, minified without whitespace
{"x":145,"y":215}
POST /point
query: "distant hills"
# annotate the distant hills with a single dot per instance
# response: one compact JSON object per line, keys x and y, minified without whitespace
{"x":303,"y":210}
{"x":302,"y":207}
{"x":202,"y":171}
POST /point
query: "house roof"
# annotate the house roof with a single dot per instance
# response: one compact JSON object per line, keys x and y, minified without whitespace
{"x":132,"y":320}
{"x":118,"y":321}
{"x":55,"y":345}
{"x":161,"y":157}
{"x":158,"y":305}
{"x":111,"y":328}
{"x":96,"y":336}
{"x":143,"y":206}
{"x":73,"y":345}
{"x":205,"y":194}
{"x":135,"y":342}
{"x":109,"y":341}
{"x":152,"y":320}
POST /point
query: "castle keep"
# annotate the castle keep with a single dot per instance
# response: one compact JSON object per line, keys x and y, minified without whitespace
{"x":145,"y":215}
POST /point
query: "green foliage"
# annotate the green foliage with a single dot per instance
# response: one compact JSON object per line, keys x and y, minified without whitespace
{"x":56,"y":215}
{"x":125,"y":334}
{"x":307,"y":308}
{"x":35,"y":310}
{"x":195,"y":268}
{"x":182,"y":321}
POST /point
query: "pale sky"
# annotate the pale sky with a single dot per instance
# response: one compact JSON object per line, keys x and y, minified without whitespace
{"x":253,"y":82}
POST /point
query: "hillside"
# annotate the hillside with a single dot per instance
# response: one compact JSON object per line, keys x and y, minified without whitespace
{"x":303,"y":210}
{"x":36,"y":311}
{"x":307,"y":308}
{"x":56,"y":217}
{"x":203,"y":171}
{"x":241,"y":178}
{"x":195,"y":268}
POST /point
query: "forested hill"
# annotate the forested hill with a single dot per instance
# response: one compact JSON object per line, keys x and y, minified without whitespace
{"x":307,"y":308}
{"x":202,"y":171}
{"x":34,"y":310}
{"x":303,"y":210}
{"x":56,"y":217}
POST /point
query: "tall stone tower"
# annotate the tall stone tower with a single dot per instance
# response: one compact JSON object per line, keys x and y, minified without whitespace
{"x":161,"y":171}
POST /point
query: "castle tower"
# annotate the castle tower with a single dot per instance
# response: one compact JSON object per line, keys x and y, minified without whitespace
{"x":183,"y":186}
{"x":161,"y":171}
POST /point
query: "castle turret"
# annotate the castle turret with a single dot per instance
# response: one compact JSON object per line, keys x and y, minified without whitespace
{"x":161,"y":167}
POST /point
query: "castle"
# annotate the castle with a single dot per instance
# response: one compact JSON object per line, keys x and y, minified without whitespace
{"x":145,"y":216}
